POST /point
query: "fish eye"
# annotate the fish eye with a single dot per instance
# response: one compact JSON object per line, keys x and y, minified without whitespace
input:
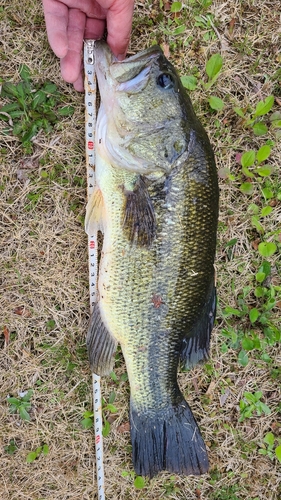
{"x":166,"y":81}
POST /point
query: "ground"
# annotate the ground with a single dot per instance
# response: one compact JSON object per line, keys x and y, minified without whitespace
{"x":45,"y":451}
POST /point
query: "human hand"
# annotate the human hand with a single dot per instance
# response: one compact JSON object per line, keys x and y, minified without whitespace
{"x":68,"y":22}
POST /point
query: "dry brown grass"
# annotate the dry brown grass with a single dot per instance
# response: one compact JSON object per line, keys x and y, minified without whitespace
{"x":44,"y":273}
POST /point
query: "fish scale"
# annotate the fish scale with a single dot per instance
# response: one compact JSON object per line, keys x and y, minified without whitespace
{"x":156,"y":202}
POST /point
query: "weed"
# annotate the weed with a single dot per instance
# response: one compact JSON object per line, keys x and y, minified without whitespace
{"x":139,"y":481}
{"x":248,"y":339}
{"x":252,"y":403}
{"x":11,"y":448}
{"x":31,"y":108}
{"x":87,"y":422}
{"x":268,"y":447}
{"x":107,"y":408}
{"x":253,"y":118}
{"x":32,"y":455}
{"x":213,"y":69}
{"x":170,"y":486}
{"x":21,"y":404}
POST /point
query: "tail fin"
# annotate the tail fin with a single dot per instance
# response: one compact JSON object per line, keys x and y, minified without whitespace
{"x":167,"y":439}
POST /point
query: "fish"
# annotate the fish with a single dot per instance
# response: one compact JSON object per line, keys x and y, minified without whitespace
{"x":155,"y":202}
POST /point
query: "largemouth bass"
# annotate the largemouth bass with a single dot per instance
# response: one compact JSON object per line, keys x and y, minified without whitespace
{"x":156,"y":203}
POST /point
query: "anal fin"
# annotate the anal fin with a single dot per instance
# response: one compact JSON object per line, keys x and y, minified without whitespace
{"x":101,"y":345}
{"x":196,"y":345}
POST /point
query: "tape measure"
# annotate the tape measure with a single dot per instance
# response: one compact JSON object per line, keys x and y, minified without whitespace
{"x":90,"y":127}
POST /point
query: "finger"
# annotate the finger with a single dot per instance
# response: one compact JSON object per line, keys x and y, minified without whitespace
{"x":119,"y":25}
{"x":79,"y":83}
{"x":71,"y":63}
{"x":56,"y":18}
{"x":94,"y":28}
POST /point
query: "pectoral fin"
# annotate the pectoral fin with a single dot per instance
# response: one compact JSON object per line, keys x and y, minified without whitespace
{"x":94,"y":213}
{"x":139,"y":217}
{"x":195,"y":346}
{"x":100,"y":344}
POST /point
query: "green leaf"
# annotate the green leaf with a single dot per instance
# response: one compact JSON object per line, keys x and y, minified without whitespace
{"x":31,"y":457}
{"x":214,"y":65}
{"x":31,"y":132}
{"x":252,"y":398}
{"x":253,"y":208}
{"x":9,"y":89}
{"x":216,"y":103}
{"x":276,"y":124}
{"x":49,"y":88}
{"x":248,"y":158}
{"x":239,"y":112}
{"x":232,"y":242}
{"x":112,"y":397}
{"x":265,"y":357}
{"x":256,"y":223}
{"x":266,"y":211}
{"x":45,"y":449}
{"x":254,"y":314}
{"x":264,"y":171}
{"x":269,"y":438}
{"x":179,"y":30}
{"x":28,"y":395}
{"x":263,"y":107}
{"x":11,"y":106}
{"x":278,"y":453}
{"x":106,"y":429}
{"x":263,"y":153}
{"x":87,"y":423}
{"x":267,"y":193}
{"x":247,"y":188}
{"x":266,"y":249}
{"x":247,"y":173}
{"x":51,"y":117}
{"x":189,"y":82}
{"x":260,"y":277}
{"x":231,"y":311}
{"x":21,"y":90}
{"x":247,"y":344}
{"x":24,"y":72}
{"x":260,"y":129}
{"x":265,"y":268}
{"x":259,"y":292}
{"x":24,"y":414}
{"x":39,"y":98}
{"x":139,"y":482}
{"x":111,"y":408}
{"x":265,"y":409}
{"x":275,"y":116}
{"x":17,"y":129}
{"x":16,"y":114}
{"x":113,"y":376}
{"x":14,"y":401}
{"x":176,"y":7}
{"x":243,"y":358}
{"x":66,"y":111}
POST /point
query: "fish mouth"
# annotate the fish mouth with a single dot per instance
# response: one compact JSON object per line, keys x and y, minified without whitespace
{"x":108,"y":66}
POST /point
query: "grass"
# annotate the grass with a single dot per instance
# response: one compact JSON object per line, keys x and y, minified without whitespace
{"x":44,"y":275}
